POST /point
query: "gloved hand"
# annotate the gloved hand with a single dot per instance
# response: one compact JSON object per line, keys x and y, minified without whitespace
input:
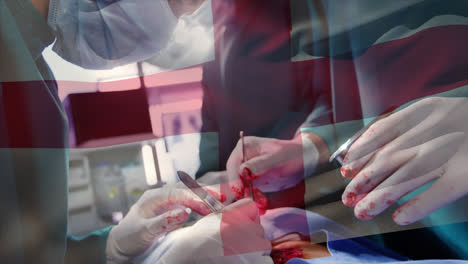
{"x":272,"y":164}
{"x":426,"y":141}
{"x":230,"y":188}
{"x":236,"y":236}
{"x":157,"y":212}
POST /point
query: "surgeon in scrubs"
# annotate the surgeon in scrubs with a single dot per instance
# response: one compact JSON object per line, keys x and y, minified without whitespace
{"x":405,"y":55}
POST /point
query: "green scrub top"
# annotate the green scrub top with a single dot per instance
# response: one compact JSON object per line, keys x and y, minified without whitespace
{"x":33,"y":149}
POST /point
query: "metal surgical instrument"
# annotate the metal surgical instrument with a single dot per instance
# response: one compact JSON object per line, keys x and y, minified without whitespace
{"x":212,"y":203}
{"x":341,"y":152}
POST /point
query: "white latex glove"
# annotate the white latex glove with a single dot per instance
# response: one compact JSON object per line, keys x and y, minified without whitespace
{"x":230,"y":188}
{"x":157,"y":212}
{"x":236,"y":236}
{"x":426,"y":141}
{"x":219,"y":182}
{"x":272,"y":164}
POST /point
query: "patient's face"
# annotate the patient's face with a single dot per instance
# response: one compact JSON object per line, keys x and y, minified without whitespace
{"x":295,"y":245}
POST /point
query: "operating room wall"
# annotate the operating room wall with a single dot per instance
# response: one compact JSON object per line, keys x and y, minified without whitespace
{"x":112,"y":170}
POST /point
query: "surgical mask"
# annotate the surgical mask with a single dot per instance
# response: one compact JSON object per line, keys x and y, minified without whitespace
{"x":103,"y":34}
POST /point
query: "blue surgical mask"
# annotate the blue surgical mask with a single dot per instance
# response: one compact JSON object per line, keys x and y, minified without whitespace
{"x":103,"y":34}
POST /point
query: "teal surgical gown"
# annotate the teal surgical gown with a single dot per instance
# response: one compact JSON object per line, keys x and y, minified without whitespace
{"x":33,"y":149}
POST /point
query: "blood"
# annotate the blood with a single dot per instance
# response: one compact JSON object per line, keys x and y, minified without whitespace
{"x":176,"y":219}
{"x":220,"y":196}
{"x":197,"y":206}
{"x":359,"y":197}
{"x":345,"y":160}
{"x":261,"y":211}
{"x":237,"y":191}
{"x":281,"y":256}
{"x":349,"y":199}
{"x":260,"y":198}
{"x":371,"y":205}
{"x":368,"y":181}
{"x":390,"y":202}
{"x":248,"y":175}
{"x":349,"y":173}
{"x":364,"y":215}
{"x":343,"y":171}
{"x":357,"y":188}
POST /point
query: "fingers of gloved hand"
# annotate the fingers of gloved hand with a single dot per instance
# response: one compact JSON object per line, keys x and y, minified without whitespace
{"x":426,"y":165}
{"x":157,"y":201}
{"x":439,"y":194}
{"x":428,"y":157}
{"x":390,"y":128}
{"x":234,"y":190}
{"x":381,"y":198}
{"x":218,"y":194}
{"x":255,"y":167}
{"x":189,"y":200}
{"x":247,"y":149}
{"x":350,"y":169}
{"x":234,"y":162}
{"x":424,"y":133}
{"x":379,"y":134}
{"x":282,"y":176}
{"x":166,"y":222}
{"x":134,"y":234}
{"x":217,"y":184}
{"x":232,"y":167}
{"x":374,"y":173}
{"x":264,"y":154}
